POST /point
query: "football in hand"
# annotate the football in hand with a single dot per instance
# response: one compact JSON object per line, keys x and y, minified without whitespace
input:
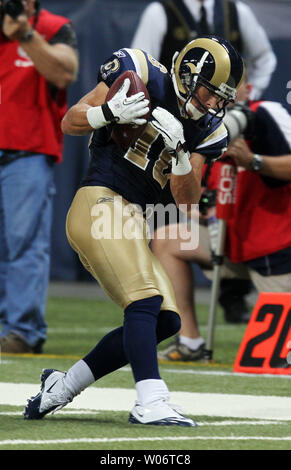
{"x":125,"y":135}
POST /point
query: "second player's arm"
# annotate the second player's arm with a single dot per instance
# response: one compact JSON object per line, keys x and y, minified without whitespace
{"x":277,"y":166}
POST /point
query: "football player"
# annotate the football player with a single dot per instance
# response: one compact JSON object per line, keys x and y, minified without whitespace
{"x":184,"y":131}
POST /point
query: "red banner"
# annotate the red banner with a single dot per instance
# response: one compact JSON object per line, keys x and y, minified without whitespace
{"x":226,"y":191}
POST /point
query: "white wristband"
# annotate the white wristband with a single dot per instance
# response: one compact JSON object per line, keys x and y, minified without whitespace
{"x":184,"y":166}
{"x":96,"y":117}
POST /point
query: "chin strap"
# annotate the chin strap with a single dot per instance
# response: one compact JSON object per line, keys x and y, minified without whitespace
{"x":193,"y":112}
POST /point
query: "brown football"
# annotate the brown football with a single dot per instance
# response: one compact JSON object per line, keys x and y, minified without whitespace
{"x":125,"y":135}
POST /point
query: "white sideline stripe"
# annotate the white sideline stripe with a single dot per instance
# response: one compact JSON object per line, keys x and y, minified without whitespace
{"x":217,"y":372}
{"x":141,"y":439}
{"x":197,"y":404}
{"x":200,"y":423}
{"x":196,"y":372}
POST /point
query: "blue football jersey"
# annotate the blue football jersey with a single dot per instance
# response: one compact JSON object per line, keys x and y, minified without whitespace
{"x":141,"y":172}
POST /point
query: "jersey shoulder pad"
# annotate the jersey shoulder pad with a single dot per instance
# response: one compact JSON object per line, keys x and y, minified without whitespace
{"x":121,"y":61}
{"x":214,"y":142}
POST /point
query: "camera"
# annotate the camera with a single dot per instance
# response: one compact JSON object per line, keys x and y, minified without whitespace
{"x":207,"y":200}
{"x":13,"y":8}
{"x":239,"y":120}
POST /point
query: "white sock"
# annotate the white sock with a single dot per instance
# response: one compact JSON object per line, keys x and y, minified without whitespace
{"x":78,"y":377}
{"x":150,"y":390}
{"x":191,"y":343}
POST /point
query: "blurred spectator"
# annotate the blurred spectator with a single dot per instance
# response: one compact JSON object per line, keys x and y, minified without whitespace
{"x":38,"y":62}
{"x":166,"y":26}
{"x":259,"y":234}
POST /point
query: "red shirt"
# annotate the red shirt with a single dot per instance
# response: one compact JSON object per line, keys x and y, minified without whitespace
{"x":261,"y":217}
{"x":30,"y":118}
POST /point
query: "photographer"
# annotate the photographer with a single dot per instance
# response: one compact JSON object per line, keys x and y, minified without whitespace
{"x":258,"y":242}
{"x":38,"y":62}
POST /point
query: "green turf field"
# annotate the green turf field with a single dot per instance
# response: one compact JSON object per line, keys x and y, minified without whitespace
{"x":75,"y":325}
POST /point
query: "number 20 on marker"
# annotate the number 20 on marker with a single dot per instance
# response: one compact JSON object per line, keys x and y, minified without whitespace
{"x":265,"y":345}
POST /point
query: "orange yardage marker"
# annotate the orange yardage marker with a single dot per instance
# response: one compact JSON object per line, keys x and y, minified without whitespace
{"x":264,"y":346}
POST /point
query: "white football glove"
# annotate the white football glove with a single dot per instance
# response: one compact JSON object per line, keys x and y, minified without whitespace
{"x":172,"y":132}
{"x":170,"y":128}
{"x":121,"y":109}
{"x":128,"y":110}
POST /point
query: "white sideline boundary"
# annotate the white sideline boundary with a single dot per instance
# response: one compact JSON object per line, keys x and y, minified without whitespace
{"x":142,"y":439}
{"x":196,"y":404}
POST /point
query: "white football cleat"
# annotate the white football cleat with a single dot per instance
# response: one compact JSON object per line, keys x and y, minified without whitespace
{"x":52,"y":397}
{"x":160,"y":413}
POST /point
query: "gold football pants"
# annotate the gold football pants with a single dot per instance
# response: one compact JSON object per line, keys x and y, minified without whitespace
{"x":110,"y":236}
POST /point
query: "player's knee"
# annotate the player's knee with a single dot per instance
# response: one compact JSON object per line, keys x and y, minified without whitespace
{"x":169,"y":323}
{"x":150,"y":305}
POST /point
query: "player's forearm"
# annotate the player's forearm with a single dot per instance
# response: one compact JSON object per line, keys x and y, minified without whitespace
{"x":186,"y":189}
{"x":75,"y":121}
{"x":58,"y":63}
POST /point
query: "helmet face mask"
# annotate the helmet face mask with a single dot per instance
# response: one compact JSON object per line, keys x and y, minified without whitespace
{"x":221,"y":102}
{"x":208,"y":62}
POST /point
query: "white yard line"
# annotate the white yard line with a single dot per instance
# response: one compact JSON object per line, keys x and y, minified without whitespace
{"x":142,"y":439}
{"x":197,"y":404}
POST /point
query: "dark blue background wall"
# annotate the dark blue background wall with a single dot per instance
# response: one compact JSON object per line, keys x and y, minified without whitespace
{"x":103,"y":26}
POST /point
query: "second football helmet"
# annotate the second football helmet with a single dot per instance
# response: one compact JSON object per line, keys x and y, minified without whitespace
{"x":210,"y":62}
